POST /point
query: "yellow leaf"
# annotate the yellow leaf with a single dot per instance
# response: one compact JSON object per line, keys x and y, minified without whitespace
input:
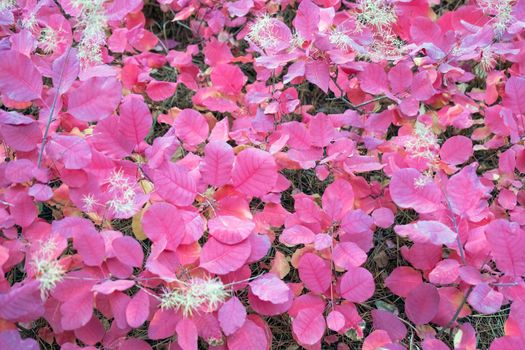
{"x":136,"y":226}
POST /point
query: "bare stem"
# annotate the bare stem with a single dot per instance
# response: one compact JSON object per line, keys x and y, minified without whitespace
{"x":52,"y":110}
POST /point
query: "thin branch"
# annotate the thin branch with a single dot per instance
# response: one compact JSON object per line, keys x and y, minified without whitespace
{"x":458,"y":311}
{"x":52,"y":110}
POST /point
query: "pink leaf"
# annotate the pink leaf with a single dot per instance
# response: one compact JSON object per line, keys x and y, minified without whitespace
{"x":338,"y":199}
{"x":162,"y":220}
{"x":322,"y":131}
{"x":249,"y":336}
{"x":220,"y":258}
{"x":506,"y":240}
{"x":421,"y":304}
{"x":309,"y":326}
{"x":297,"y":234}
{"x":76,"y":311}
{"x":427,"y":232}
{"x":374,"y":79}
{"x":11,"y":340}
{"x":191,"y":127}
{"x":390,"y":323}
{"x":94,"y":99}
{"x":174,"y":184}
{"x":160,"y":90}
{"x":22,"y":303}
{"x":335,"y":321}
{"x":254,"y":172}
{"x":163,"y":324}
{"x":270,"y":288}
{"x":22,"y":138}
{"x":135,"y":119}
{"x":128,"y":251}
{"x":228,"y":78}
{"x":456,"y":150}
{"x":318,"y":73}
{"x":348,"y":255}
{"x":466,"y":193}
{"x":90,"y":245}
{"x":357,"y":285}
{"x":108,"y":287}
{"x":19,"y":78}
{"x":187,"y":334}
{"x":306,"y":20}
{"x":230,"y":229}
{"x":73,"y":151}
{"x":315,"y":272}
{"x":445,"y":272}
{"x":232,"y":316}
{"x":405,"y":193}
{"x":485,"y":299}
{"x":217,"y":166}
{"x":515,"y":95}
{"x":65,"y":70}
{"x":137,"y":310}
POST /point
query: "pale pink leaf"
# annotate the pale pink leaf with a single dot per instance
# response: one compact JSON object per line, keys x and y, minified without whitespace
{"x":73,"y":151}
{"x":137,"y":310}
{"x":108,"y":287}
{"x":65,"y":70}
{"x":338,"y":199}
{"x":373,"y":79}
{"x":445,"y":272}
{"x":424,"y":231}
{"x":335,"y":321}
{"x":232,"y":316}
{"x":466,"y":193}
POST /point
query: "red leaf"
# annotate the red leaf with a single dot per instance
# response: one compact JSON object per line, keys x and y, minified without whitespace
{"x":220,"y":258}
{"x":357,"y":285}
{"x":315,"y":272}
{"x":232,"y":316}
{"x":19,"y":78}
{"x":254,"y":172}
{"x":421,"y":304}
{"x":309,"y":326}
